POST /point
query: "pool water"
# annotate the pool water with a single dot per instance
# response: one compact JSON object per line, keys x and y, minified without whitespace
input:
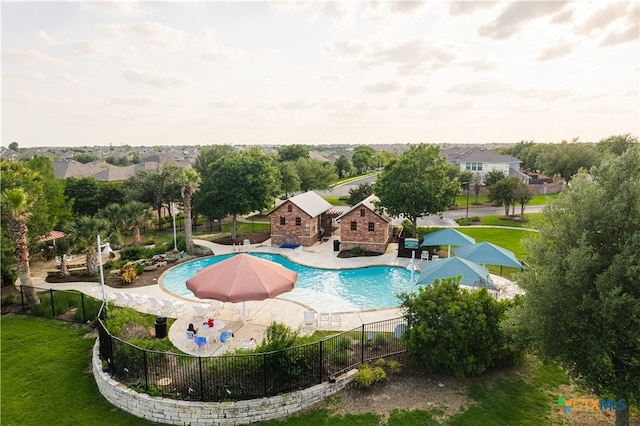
{"x":341,"y":290}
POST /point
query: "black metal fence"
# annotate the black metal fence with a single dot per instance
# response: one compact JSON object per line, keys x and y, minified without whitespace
{"x":236,"y":376}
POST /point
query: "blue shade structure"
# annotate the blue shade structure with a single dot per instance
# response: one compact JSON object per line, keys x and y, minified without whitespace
{"x":488,"y":254}
{"x":449,"y":237}
{"x":473,"y":275}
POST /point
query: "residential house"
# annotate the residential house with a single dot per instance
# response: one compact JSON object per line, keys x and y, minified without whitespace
{"x":363,"y":226}
{"x":300,"y":220}
{"x":481,"y":161}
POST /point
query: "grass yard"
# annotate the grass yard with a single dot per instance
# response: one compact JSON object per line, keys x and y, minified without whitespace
{"x":537,"y":200}
{"x":499,"y":220}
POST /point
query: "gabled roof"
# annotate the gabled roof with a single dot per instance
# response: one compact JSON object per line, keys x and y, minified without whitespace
{"x":311,"y":203}
{"x":368,"y":202}
{"x":476,"y":154}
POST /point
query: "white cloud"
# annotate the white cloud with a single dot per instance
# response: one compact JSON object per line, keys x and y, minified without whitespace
{"x":28,"y":57}
{"x":383,"y":87}
{"x":457,"y":8}
{"x":207,"y":48}
{"x":411,"y":56}
{"x":47,"y":38}
{"x":345,"y":48}
{"x":132,"y":100}
{"x":600,"y":18}
{"x":555,"y":52}
{"x":153,"y":78}
{"x":517,"y":15}
{"x":157,"y":35}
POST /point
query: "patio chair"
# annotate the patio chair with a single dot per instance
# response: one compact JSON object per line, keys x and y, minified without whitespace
{"x":309,"y":320}
{"x":190,"y":334}
{"x":336,"y":319}
{"x":200,"y":311}
{"x":136,"y":299}
{"x":214,"y":308}
{"x":247,"y":343}
{"x":200,"y":342}
{"x":121,"y":299}
{"x":324,"y":317}
{"x":155,"y":307}
{"x":226,"y":335}
{"x":170,"y":307}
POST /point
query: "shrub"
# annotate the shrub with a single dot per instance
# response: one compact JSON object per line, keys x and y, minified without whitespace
{"x":343,"y":342}
{"x":394,"y":366}
{"x":379,"y":340}
{"x":454,"y":330}
{"x":129,"y":274}
{"x":367,"y":375}
{"x":356,"y":251}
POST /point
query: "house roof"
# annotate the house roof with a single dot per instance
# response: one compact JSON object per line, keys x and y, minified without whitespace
{"x":368,"y":202}
{"x":476,"y":154}
{"x":311,"y":203}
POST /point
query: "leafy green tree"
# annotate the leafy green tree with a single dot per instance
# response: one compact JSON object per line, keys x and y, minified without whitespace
{"x":88,"y":195}
{"x":315,"y":174}
{"x":582,"y":301}
{"x":343,"y":166}
{"x":159,"y":187}
{"x":292,"y":152}
{"x":362,"y":158}
{"x":290,"y":179}
{"x":85,"y":158}
{"x":189,"y":183}
{"x":387,"y":157}
{"x":455,"y":330}
{"x":522,"y":195}
{"x":14,"y":146}
{"x":239,"y":184}
{"x":416,"y":185}
{"x":618,"y":144}
{"x":359,"y":193}
{"x":15,"y":209}
{"x":566,"y":159}
{"x":503,"y":193}
{"x":492,"y":177}
{"x":82,"y":234}
{"x":209,"y":155}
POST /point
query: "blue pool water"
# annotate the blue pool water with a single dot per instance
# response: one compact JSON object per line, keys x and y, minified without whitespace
{"x":372,"y":287}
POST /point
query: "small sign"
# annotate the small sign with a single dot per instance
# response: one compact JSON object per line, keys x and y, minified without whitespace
{"x":411,"y":243}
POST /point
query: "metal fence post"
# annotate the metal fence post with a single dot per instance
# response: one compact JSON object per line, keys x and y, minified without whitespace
{"x":362,"y":345}
{"x":53,"y":305}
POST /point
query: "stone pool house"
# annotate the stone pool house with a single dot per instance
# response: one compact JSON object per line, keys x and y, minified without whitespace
{"x":362,"y":226}
{"x":300,"y":220}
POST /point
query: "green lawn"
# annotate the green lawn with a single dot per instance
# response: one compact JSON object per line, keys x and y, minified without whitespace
{"x":537,"y":200}
{"x":499,"y":220}
{"x":46,"y":379}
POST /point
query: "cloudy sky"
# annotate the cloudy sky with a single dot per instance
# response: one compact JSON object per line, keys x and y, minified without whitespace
{"x":176,"y":73}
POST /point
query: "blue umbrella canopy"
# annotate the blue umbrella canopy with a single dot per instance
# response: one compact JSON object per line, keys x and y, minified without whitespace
{"x":488,"y":254}
{"x":471,"y":273}
{"x":449,"y":237}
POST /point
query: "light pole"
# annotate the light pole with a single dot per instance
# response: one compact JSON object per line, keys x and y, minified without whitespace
{"x":107,"y":249}
{"x":173,"y":215}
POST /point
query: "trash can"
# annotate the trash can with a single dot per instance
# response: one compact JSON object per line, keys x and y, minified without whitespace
{"x":336,"y":245}
{"x":161,"y":327}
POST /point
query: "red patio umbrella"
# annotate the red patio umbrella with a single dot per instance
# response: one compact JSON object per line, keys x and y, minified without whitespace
{"x":242,"y":278}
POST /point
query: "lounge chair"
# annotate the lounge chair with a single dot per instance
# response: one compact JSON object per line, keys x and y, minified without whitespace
{"x":170,"y":307}
{"x":155,"y":307}
{"x":309,"y":320}
{"x":200,"y":311}
{"x":336,"y":319}
{"x":324,"y":317}
{"x":121,"y":299}
{"x":247,"y":343}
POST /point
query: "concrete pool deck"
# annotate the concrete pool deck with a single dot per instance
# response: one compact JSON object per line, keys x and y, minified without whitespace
{"x":260,"y":313}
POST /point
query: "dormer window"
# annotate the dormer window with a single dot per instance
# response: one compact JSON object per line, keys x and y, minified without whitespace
{"x":289,"y":208}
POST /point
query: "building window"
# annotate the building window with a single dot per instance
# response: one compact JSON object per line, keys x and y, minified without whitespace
{"x":361,"y":212}
{"x":474,"y":166}
{"x":298,"y":221}
{"x":354,"y":226}
{"x":289,"y":208}
{"x":283,"y":221}
{"x":372,"y":226}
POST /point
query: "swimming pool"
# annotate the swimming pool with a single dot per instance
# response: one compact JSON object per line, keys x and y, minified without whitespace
{"x":343,"y":290}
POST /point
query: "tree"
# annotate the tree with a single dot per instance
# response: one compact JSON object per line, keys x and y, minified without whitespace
{"x":454,"y":330}
{"x":343,"y":166}
{"x":88,"y":195}
{"x":290,"y":179}
{"x":362,"y":158}
{"x":503,"y":193}
{"x":209,"y":155}
{"x":617,"y":144}
{"x":159,"y":187}
{"x":14,"y":146}
{"x":292,"y":152}
{"x":477,"y":184}
{"x":15,"y":209}
{"x":566,"y":159}
{"x":136,"y":215}
{"x":82,"y":234}
{"x":416,"y":185}
{"x":492,"y":177}
{"x":239,"y":184}
{"x":315,"y":174}
{"x":189,"y":182}
{"x":359,"y":193}
{"x":522,"y":195}
{"x":582,"y":301}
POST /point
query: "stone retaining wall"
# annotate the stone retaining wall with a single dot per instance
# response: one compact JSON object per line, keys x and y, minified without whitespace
{"x":175,"y":412}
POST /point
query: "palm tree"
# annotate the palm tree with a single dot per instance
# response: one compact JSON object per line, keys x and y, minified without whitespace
{"x":82,"y":235}
{"x":136,"y":215}
{"x":15,"y":207}
{"x":189,"y":183}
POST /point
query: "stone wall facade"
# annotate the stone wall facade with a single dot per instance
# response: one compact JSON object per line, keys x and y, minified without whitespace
{"x":376,"y":240}
{"x":299,"y":228}
{"x":174,"y":412}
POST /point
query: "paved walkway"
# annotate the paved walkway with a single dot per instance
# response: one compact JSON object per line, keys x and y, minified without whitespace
{"x":260,"y":314}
